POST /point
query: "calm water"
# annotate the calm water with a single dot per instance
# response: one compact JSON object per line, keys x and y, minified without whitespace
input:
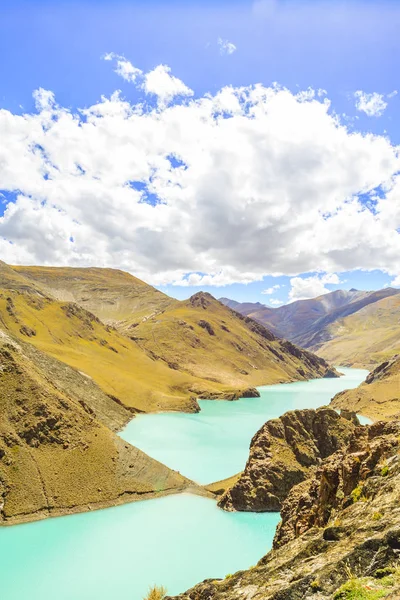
{"x":213,"y":444}
{"x":115,"y":554}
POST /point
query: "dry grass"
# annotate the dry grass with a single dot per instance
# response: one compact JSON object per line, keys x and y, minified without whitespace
{"x":156,"y":593}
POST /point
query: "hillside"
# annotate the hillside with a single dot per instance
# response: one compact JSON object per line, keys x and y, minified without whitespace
{"x":365,"y":338}
{"x":339,"y":537}
{"x":351,"y":328}
{"x":56,"y":453}
{"x":294,"y":319}
{"x":201,"y":337}
{"x":112,"y":295}
{"x":77,"y":337}
{"x":379,"y":396}
{"x":156,"y":354}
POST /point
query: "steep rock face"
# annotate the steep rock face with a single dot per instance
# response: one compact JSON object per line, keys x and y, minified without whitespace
{"x":348,"y":475}
{"x":339,"y":528}
{"x":282,"y":453}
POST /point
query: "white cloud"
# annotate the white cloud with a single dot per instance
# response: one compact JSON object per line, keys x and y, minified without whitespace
{"x":372,"y":105}
{"x":224,"y":188}
{"x":164,"y":85}
{"x":392,"y":94}
{"x":216,"y":279}
{"x":158,"y":82}
{"x":275,"y":302}
{"x":226,"y":47}
{"x":395,"y":282}
{"x":311,"y":287}
{"x":124,"y":68}
{"x":271,"y":290}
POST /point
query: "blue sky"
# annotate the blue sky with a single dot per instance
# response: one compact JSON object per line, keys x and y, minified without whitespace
{"x":340,"y":47}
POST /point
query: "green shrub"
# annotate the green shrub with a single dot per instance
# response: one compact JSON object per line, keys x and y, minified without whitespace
{"x":359,"y":589}
{"x":385,"y":471}
{"x":356,"y":493}
{"x":377,"y":516}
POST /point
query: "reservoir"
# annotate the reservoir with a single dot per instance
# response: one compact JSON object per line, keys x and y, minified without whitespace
{"x":175,"y":541}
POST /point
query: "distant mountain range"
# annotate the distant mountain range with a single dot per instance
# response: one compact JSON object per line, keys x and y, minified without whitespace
{"x":354,"y":328}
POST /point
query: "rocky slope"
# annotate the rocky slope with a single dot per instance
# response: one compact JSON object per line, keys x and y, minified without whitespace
{"x":379,"y":396}
{"x":156,"y":355}
{"x":57,"y":454}
{"x":282,"y":453}
{"x":339,"y":538}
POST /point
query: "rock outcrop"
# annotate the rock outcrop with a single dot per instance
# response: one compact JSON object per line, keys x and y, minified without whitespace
{"x":282,"y":453}
{"x":339,"y":538}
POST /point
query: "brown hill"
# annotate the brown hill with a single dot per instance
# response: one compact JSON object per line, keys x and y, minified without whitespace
{"x":379,"y":396}
{"x":349,"y":328}
{"x":158,"y":355}
{"x":56,"y":453}
{"x":363,"y":339}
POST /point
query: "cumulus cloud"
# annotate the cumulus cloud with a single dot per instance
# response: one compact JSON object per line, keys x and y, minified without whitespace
{"x":158,"y":82}
{"x":303,"y":288}
{"x":271,"y":290}
{"x":124,"y":68}
{"x":372,"y":105}
{"x":223,"y":188}
{"x":226,"y":47}
{"x":395,"y":282}
{"x":165,"y":86}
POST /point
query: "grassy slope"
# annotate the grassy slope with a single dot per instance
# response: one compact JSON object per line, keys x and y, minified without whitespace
{"x":112,"y":295}
{"x":187,"y":360}
{"x":79,"y":339}
{"x":55,"y":455}
{"x":367,"y":337}
{"x":378,"y":397}
{"x":204,"y":338}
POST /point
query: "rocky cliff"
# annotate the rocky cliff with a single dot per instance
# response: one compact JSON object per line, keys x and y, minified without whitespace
{"x":282,"y":453}
{"x":339,"y":538}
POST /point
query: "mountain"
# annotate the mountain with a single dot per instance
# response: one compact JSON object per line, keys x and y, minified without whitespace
{"x":112,"y":295}
{"x":339,"y":535}
{"x":365,"y":338}
{"x":334,"y":325}
{"x":378,"y":397}
{"x":150,"y":351}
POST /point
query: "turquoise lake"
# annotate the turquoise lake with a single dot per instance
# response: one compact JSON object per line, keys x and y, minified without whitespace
{"x":214,"y":444}
{"x":176,"y":541}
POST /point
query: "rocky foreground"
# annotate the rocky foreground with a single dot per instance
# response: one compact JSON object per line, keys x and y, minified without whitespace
{"x":282,"y":454}
{"x":339,"y":538}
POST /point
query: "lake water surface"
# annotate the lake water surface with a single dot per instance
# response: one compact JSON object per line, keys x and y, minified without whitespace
{"x":176,"y":541}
